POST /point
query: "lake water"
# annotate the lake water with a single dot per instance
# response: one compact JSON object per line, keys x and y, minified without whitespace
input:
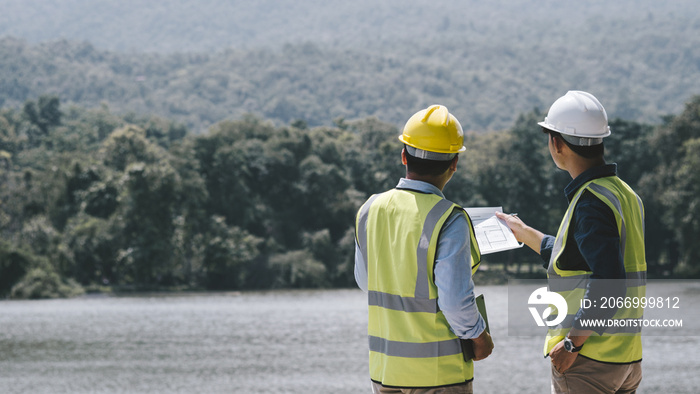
{"x":257,"y":342}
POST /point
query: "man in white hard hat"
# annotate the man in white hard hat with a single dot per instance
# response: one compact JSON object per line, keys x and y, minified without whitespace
{"x":415,"y":255}
{"x":598,"y":254}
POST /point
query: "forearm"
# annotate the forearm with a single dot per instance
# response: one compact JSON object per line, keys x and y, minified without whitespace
{"x":453,"y":279}
{"x":462,"y":315}
{"x":579,"y":336}
{"x":532,"y":238}
{"x":456,"y":297}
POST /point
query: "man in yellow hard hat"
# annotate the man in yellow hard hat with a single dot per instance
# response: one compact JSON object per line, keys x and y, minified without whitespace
{"x":598,"y":254}
{"x":415,"y":256}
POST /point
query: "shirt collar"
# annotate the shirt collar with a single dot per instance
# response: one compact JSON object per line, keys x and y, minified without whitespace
{"x":419,"y":186}
{"x":589,"y":175}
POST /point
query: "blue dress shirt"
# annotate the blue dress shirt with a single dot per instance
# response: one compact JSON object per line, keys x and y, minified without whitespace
{"x":452,"y":272}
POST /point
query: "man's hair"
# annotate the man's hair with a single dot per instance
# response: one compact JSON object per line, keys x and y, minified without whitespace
{"x":427,"y":167}
{"x":587,"y":152}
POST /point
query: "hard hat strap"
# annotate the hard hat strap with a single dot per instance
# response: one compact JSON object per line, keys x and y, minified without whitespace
{"x":581,"y":141}
{"x":428,"y":155}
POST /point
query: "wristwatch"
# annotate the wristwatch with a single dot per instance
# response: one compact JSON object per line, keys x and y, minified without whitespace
{"x":569,"y":345}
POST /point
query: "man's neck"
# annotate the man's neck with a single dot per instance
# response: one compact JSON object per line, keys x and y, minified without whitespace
{"x":433,"y":180}
{"x":578,"y":167}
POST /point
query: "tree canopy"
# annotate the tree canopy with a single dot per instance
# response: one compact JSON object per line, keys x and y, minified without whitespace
{"x":96,"y":200}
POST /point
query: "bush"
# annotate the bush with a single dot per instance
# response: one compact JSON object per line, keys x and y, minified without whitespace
{"x":297,"y":269}
{"x":41,"y":283}
{"x":13,"y":265}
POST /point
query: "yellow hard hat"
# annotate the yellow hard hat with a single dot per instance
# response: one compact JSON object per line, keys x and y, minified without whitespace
{"x":433,"y":134}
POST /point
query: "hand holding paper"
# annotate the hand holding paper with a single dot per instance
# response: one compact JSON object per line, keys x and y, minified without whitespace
{"x":492,"y":234}
{"x":523,"y":233}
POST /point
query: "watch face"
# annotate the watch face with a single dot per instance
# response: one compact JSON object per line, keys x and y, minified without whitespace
{"x":567,"y":345}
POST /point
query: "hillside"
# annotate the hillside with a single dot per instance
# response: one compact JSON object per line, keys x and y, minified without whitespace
{"x":202,"y":62}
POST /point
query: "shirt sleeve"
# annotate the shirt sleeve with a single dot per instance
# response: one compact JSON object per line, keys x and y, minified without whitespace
{"x":546,"y":247}
{"x":598,"y":240}
{"x":453,"y":278}
{"x":360,"y":269}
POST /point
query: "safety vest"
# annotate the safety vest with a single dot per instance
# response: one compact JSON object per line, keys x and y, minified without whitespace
{"x":621,"y":342}
{"x":410,"y":341}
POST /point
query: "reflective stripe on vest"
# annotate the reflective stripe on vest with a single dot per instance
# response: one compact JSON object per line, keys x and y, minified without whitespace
{"x":622,"y":342}
{"x":415,"y":350}
{"x":419,"y":350}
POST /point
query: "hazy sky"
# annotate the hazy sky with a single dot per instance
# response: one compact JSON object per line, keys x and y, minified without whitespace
{"x":203,"y":25}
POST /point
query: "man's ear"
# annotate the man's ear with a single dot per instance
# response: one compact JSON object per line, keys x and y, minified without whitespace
{"x":453,"y":165}
{"x":557,"y":143}
{"x":403,"y":156}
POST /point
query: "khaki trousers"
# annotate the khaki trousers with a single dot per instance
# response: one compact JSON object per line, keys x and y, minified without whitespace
{"x":465,"y":388}
{"x":588,"y":376}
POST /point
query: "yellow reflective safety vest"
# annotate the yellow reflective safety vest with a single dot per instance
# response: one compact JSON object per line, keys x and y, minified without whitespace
{"x":622,"y":342}
{"x":410,"y":341}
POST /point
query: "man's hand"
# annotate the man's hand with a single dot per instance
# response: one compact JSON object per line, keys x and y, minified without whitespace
{"x":561,"y":359}
{"x":523,"y":233}
{"x":483,"y":345}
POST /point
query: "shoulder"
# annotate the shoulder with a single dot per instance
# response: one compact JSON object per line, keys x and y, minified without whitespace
{"x":457,"y":220}
{"x":591,"y":204}
{"x":592,"y":215}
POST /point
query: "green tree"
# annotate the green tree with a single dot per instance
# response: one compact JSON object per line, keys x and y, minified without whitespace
{"x":43,"y":114}
{"x":669,"y":189}
{"x":225,"y":251}
{"x":14,"y":264}
{"x":147,"y":213}
{"x":128,"y":145}
{"x":45,"y":283}
{"x":9,"y":142}
{"x":682,"y":203}
{"x":297,"y":269}
{"x":91,"y":248}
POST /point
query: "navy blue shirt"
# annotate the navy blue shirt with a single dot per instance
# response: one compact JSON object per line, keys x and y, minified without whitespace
{"x":594,"y":246}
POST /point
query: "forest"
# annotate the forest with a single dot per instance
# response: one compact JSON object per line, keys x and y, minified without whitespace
{"x":93,"y":201}
{"x":204,"y":62}
{"x":226,"y":145}
{"x":488,"y":86}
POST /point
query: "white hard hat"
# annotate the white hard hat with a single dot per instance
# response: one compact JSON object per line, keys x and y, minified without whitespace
{"x":579,"y":117}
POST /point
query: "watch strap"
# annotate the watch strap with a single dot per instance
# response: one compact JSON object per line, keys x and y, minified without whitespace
{"x":573,"y":347}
